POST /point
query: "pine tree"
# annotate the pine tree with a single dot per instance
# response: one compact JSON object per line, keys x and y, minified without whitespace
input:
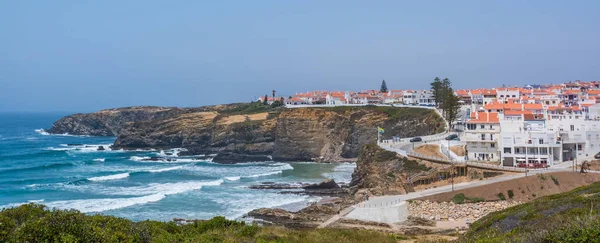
{"x":451,"y":107}
{"x":384,"y":88}
{"x":266,"y":100}
{"x":436,"y":90}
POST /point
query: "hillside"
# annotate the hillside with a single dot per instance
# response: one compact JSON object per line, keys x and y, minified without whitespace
{"x":253,"y":131}
{"x":35,"y":223}
{"x":566,"y":217}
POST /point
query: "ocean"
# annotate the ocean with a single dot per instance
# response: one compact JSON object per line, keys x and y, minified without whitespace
{"x":70,"y":172}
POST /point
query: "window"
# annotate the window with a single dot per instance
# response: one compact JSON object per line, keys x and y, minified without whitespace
{"x":541,"y":141}
{"x":493,"y":145}
{"x":491,"y":127}
{"x":579,"y":147}
{"x":543,"y":150}
{"x":482,"y":126}
{"x":507,"y":150}
{"x":482,"y":136}
{"x":572,"y":128}
{"x":514,"y":96}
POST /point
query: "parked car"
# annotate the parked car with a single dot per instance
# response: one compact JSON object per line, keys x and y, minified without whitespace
{"x":597,"y":156}
{"x":452,"y":137}
{"x":417,"y":139}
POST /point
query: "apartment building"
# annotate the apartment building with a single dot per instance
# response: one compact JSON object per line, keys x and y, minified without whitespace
{"x":481,"y":135}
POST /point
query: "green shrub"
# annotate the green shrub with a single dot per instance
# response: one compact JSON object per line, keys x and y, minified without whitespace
{"x":501,"y":196}
{"x":35,"y":223}
{"x":542,"y":176}
{"x":476,"y":199}
{"x":458,"y":198}
{"x":534,"y":195}
{"x":511,"y":194}
{"x":554,"y":180}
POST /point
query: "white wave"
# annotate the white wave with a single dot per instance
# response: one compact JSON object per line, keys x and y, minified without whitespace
{"x":166,"y":169}
{"x":265,"y":174}
{"x":84,"y":148}
{"x":109,"y":177}
{"x":341,"y":173}
{"x":138,"y":158}
{"x":153,"y":193}
{"x":104,"y":204}
{"x":42,"y":132}
{"x":99,"y":160}
{"x":284,"y":166}
{"x":168,"y":160}
{"x":233,"y":178}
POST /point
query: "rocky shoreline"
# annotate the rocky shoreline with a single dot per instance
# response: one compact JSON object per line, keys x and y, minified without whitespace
{"x":251,"y":131}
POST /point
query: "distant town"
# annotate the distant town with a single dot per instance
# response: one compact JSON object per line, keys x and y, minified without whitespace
{"x":529,"y":126}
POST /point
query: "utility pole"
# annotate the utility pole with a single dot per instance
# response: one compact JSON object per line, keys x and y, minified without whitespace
{"x":452,"y":174}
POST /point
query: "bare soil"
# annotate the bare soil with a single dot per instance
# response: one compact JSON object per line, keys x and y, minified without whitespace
{"x":458,"y":150}
{"x":524,"y":189}
{"x":241,"y":118}
{"x":430,"y":150}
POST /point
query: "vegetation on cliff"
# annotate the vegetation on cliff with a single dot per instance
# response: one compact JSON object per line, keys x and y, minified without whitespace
{"x":573,"y":216}
{"x":236,"y":132}
{"x":382,"y":172}
{"x":35,"y":223}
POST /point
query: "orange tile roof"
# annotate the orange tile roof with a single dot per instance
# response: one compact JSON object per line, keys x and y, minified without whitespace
{"x":594,"y":92}
{"x":572,"y":92}
{"x":532,"y":106}
{"x":484,"y":117}
{"x":513,"y":106}
{"x":516,"y":113}
{"x":494,"y":106}
{"x":476,"y":92}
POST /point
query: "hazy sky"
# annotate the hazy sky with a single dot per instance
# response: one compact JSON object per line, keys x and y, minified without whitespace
{"x":89,"y":55}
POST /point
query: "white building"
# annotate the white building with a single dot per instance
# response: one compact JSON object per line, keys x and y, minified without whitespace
{"x":426,"y":98}
{"x":526,"y":141}
{"x":410,"y":97}
{"x":481,"y":135}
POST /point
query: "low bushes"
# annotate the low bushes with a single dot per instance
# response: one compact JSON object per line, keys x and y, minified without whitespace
{"x":35,"y":223}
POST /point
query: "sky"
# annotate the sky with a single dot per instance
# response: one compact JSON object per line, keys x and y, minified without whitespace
{"x":82,"y":56}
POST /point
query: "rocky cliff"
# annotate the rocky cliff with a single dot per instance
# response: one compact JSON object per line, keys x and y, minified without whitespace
{"x":109,"y":122}
{"x":381,"y":172}
{"x":253,"y":132}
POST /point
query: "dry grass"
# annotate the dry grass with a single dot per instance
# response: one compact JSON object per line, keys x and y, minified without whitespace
{"x":430,"y":150}
{"x":458,"y":150}
{"x":241,"y":118}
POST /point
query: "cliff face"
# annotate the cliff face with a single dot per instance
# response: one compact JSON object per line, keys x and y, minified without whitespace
{"x":256,"y":133}
{"x":381,"y":172}
{"x":109,"y":122}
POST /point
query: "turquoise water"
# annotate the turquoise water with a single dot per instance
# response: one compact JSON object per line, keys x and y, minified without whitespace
{"x":68,"y":172}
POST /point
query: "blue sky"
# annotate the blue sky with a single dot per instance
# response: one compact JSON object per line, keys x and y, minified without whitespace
{"x":89,"y":55}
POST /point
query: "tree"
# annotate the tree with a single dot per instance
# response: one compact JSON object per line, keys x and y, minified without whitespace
{"x":451,"y":107}
{"x":273,"y":95}
{"x":384,"y":87}
{"x":436,"y":90}
{"x":266,"y":100}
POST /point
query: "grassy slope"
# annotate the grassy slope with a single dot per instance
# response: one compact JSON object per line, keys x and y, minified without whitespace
{"x":567,"y":217}
{"x":35,"y":223}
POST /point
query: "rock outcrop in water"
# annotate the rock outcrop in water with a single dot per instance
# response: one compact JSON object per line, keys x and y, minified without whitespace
{"x":253,"y":132}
